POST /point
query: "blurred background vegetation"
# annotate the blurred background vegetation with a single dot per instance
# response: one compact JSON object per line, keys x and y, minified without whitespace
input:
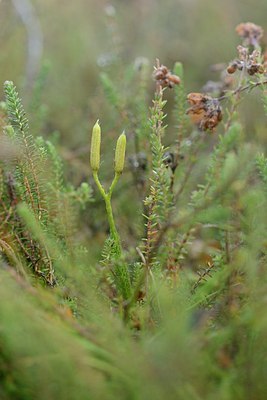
{"x":80,"y":39}
{"x":67,"y":343}
{"x":77,"y":41}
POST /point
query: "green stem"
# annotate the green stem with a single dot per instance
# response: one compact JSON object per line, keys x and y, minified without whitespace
{"x":98,"y":184}
{"x":113,"y":230}
{"x":114,"y":182}
{"x":107,"y":198}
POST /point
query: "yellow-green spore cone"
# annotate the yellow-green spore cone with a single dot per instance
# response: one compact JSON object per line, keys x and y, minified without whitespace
{"x":95,"y":147}
{"x":120,"y":154}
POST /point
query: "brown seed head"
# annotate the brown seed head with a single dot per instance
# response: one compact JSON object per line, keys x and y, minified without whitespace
{"x":250,"y":33}
{"x":164,"y":77}
{"x":205,"y":111}
{"x":250,"y":62}
{"x":242,"y":53}
{"x":174,"y":79}
{"x":232,"y":68}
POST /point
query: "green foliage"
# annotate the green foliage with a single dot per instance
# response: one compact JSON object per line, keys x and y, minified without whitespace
{"x":15,"y":110}
{"x":35,"y":177}
{"x":180,"y":102}
{"x":110,"y":91}
{"x":264,"y":98}
{"x":37,"y":110}
{"x":261,"y":161}
{"x":213,"y":176}
{"x":160,"y":188}
{"x":175,"y":305}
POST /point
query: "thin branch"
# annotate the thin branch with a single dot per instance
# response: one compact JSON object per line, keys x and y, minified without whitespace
{"x":250,"y":86}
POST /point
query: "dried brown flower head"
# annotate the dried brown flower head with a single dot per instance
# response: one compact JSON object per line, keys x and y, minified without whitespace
{"x":250,"y":33}
{"x":232,"y":67}
{"x":164,"y":77}
{"x":254,"y":65}
{"x":242,"y":53}
{"x":251,"y":62}
{"x":205,"y":111}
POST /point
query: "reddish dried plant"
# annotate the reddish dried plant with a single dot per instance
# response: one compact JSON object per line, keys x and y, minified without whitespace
{"x":205,"y":111}
{"x":251,"y":63}
{"x":250,"y":33}
{"x":164,"y":77}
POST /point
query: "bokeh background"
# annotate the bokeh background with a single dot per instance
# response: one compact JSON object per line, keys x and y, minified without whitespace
{"x":79,"y":38}
{"x":72,"y":42}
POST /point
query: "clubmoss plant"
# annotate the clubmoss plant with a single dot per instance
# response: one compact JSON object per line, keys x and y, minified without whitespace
{"x":118,"y":168}
{"x":178,"y":308}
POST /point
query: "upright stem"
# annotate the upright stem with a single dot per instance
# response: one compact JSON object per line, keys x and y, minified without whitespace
{"x":113,"y":184}
{"x":98,"y":184}
{"x":107,"y":198}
